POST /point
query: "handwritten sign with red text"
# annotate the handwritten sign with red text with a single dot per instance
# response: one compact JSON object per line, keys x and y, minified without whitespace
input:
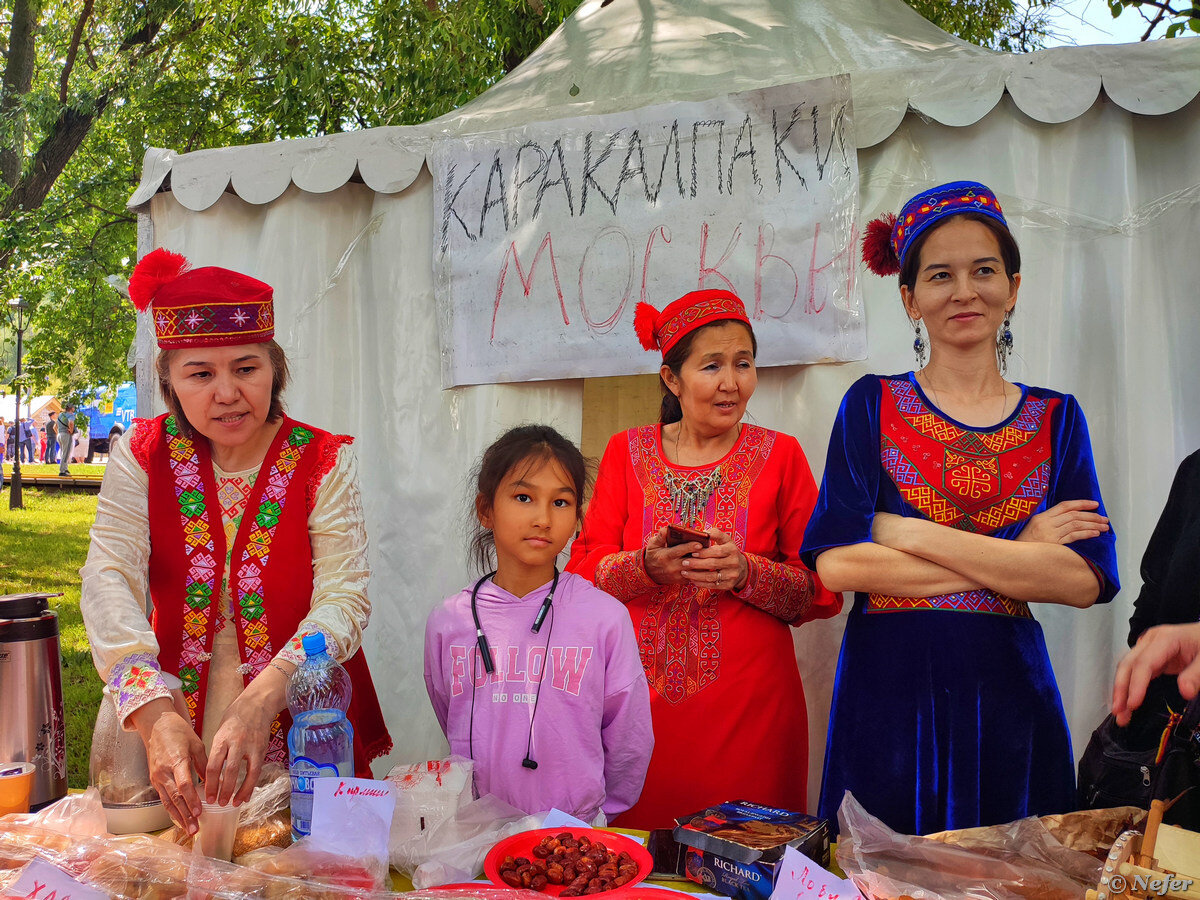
{"x":549,"y":234}
{"x":40,"y":880}
{"x":353,"y":816}
{"x":800,"y":878}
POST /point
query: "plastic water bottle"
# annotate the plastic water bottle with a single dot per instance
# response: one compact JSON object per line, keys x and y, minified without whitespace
{"x":321,"y":739}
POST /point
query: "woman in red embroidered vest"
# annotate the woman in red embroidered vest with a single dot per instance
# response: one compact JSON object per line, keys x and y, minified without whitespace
{"x":712,"y":623}
{"x":951,"y":500}
{"x":245,"y":528}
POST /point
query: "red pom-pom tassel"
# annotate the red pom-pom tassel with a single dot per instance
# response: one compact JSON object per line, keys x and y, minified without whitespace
{"x":644,"y":317}
{"x":155,"y":269}
{"x":877,"y":250}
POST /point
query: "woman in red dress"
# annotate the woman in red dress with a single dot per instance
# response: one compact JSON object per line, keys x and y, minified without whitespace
{"x":712,"y":621}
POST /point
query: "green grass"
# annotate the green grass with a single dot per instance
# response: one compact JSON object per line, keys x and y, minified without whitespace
{"x":41,"y":549}
{"x":31,"y":469}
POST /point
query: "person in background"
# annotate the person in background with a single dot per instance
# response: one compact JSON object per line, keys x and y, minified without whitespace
{"x":51,"y":455}
{"x":4,"y":441}
{"x":714,"y":615}
{"x":79,"y":442}
{"x":28,"y":439}
{"x":1170,"y":572}
{"x":953,"y":499}
{"x":245,"y":529}
{"x":66,"y":437}
{"x":564,"y":723}
{"x":1161,"y":650}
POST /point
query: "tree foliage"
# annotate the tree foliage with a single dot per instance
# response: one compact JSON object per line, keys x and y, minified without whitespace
{"x":1009,"y":25}
{"x":89,"y":84}
{"x":1173,"y":17}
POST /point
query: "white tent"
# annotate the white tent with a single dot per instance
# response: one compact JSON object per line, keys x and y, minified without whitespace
{"x":1094,"y":151}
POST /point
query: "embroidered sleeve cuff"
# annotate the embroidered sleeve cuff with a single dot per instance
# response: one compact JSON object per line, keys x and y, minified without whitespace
{"x":293,"y":651}
{"x":779,"y":589}
{"x":623,"y":575}
{"x":751,"y":578}
{"x":134,"y":682}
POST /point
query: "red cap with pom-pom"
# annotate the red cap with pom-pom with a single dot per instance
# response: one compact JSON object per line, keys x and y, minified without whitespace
{"x":205,"y":307}
{"x":662,"y":330}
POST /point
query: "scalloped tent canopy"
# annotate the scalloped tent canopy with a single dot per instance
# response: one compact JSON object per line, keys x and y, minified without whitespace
{"x":615,"y":55}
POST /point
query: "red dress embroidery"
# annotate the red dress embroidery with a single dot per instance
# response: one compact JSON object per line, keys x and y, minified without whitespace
{"x":713,"y":659}
{"x":977,"y":481}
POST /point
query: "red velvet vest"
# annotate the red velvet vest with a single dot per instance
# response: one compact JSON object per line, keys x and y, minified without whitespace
{"x":271,"y":575}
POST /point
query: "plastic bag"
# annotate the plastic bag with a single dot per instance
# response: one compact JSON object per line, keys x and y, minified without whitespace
{"x":307,"y":861}
{"x":428,"y":793}
{"x":453,"y":851}
{"x":265,"y":819}
{"x":140,"y":867}
{"x":348,"y":845}
{"x":1010,"y":862}
{"x":80,"y":815}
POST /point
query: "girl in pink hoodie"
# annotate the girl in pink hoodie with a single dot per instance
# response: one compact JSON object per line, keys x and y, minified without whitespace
{"x":535,"y":674}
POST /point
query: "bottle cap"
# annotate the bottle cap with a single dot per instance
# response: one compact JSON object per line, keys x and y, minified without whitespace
{"x":313,"y":644}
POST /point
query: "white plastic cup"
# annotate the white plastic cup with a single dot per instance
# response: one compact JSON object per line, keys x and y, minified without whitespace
{"x":217,"y":830}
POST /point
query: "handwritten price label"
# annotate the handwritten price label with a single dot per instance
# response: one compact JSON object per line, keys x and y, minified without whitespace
{"x":41,"y":880}
{"x":802,"y":879}
{"x":353,"y":816}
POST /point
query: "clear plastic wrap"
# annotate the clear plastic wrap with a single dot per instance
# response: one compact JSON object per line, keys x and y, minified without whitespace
{"x":455,"y":849}
{"x":81,"y":815}
{"x":428,"y":793}
{"x":1018,"y":861}
{"x":145,"y":868}
{"x":439,"y":834}
{"x":265,"y":820}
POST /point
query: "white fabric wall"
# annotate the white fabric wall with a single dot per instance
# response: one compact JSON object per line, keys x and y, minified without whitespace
{"x":1105,"y":207}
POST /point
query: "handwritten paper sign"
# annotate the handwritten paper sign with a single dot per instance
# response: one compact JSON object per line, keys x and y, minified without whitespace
{"x":40,"y":880}
{"x":353,"y":816}
{"x":800,"y":878}
{"x":549,"y":234}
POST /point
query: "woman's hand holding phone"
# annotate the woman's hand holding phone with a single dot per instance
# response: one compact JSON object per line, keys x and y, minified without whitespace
{"x":720,"y":566}
{"x":664,"y":560}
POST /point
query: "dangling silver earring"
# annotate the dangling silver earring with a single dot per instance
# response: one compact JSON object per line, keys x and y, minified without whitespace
{"x":1004,"y":344}
{"x":919,"y":345}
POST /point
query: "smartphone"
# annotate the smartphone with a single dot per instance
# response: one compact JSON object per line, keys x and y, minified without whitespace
{"x":668,"y":855}
{"x":678,"y":534}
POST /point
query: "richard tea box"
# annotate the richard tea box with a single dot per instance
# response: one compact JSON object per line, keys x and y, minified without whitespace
{"x":735,"y":848}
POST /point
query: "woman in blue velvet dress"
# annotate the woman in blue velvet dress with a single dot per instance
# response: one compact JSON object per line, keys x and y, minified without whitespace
{"x":952,"y":500}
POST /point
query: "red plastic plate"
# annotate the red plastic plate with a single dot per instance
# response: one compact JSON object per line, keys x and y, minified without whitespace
{"x":522,"y":844}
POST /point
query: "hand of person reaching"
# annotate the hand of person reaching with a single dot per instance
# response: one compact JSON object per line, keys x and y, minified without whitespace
{"x":1065,"y":523}
{"x":174,"y":755}
{"x":720,"y":565}
{"x":240,"y":743}
{"x":1162,"y":650}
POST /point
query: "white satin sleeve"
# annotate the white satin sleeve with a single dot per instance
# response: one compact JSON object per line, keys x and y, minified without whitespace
{"x":337,"y":530}
{"x":115,"y":586}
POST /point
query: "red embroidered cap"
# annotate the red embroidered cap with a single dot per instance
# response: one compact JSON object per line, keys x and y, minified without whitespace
{"x":662,"y":330}
{"x":205,"y":307}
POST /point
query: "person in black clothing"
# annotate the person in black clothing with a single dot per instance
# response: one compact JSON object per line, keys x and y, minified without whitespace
{"x":1170,"y":595}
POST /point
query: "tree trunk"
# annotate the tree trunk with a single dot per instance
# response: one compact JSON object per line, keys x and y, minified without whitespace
{"x":18,"y":77}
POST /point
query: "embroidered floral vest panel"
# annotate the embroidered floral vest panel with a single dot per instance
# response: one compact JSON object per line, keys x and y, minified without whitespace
{"x":271,"y":558}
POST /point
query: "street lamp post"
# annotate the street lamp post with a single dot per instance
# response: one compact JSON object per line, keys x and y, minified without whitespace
{"x":14,"y":493}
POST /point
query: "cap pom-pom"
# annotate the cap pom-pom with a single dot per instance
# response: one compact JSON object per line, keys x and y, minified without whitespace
{"x":877,"y":250}
{"x":644,"y":317}
{"x":155,"y":269}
